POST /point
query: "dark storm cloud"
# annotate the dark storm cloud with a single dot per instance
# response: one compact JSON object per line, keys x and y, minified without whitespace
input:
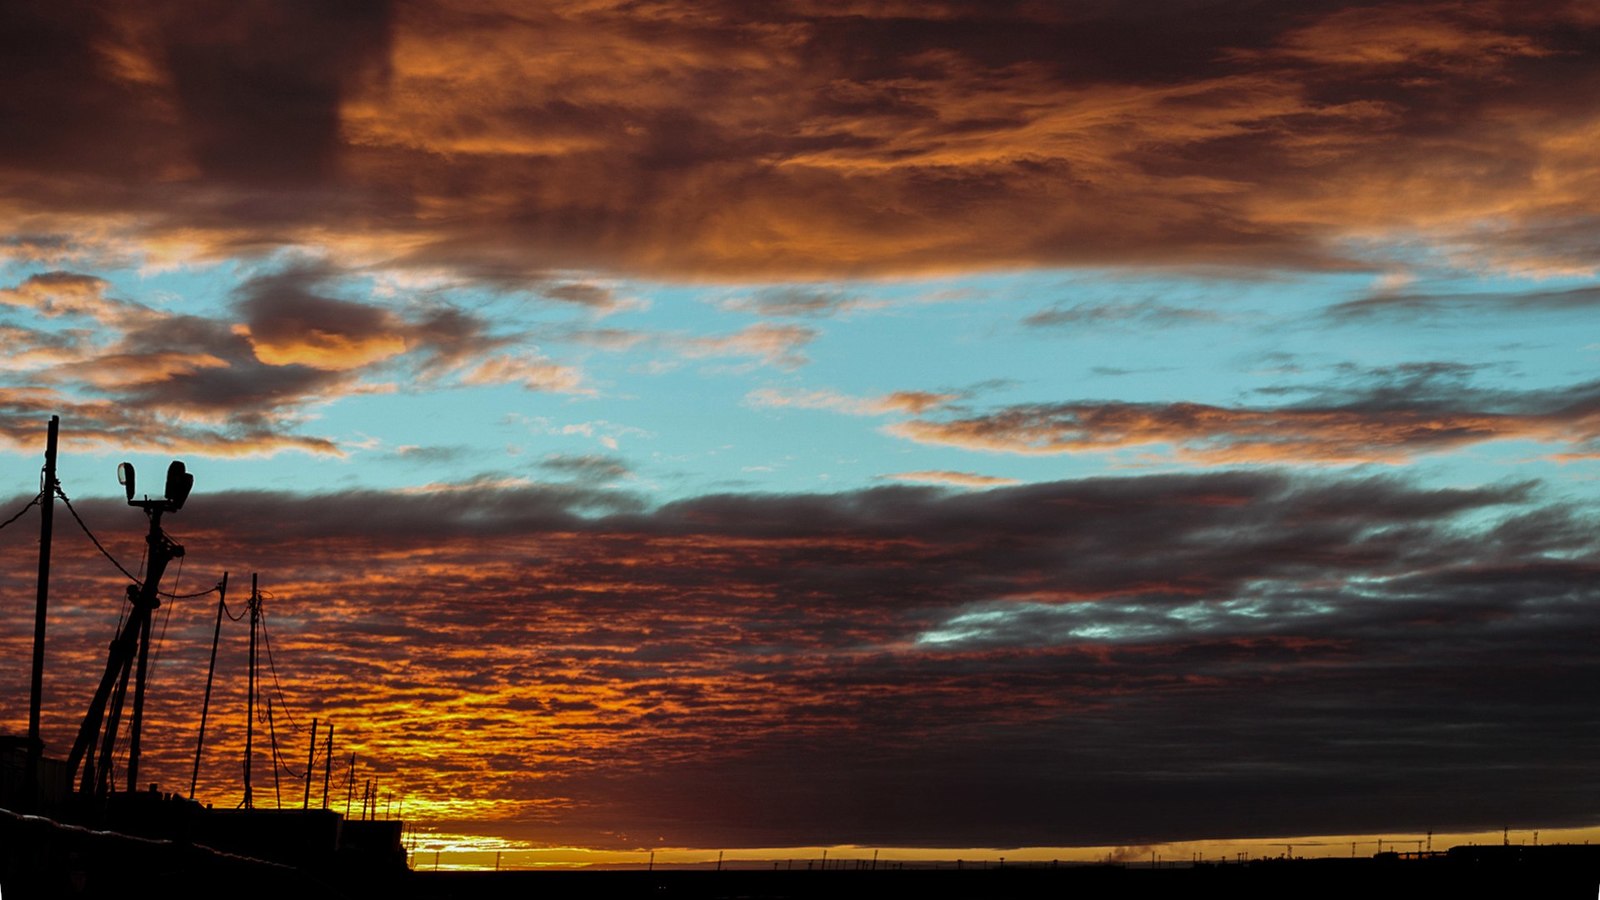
{"x":1146,"y":313}
{"x":241,"y":384}
{"x":591,"y":295}
{"x":258,"y":84}
{"x":796,"y":302}
{"x":291,"y":316}
{"x":244,"y":381}
{"x":160,"y":380}
{"x":434,"y":455}
{"x":1109,"y":660}
{"x":792,"y":139}
{"x":1120,"y":659}
{"x":282,"y":306}
{"x":595,"y":469}
{"x":1383,"y":415}
{"x":1401,"y":305}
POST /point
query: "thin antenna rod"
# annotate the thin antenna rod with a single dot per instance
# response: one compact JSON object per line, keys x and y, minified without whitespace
{"x":108,"y":742}
{"x":311,"y":762}
{"x":350,"y":787}
{"x":327,"y":765}
{"x":250,"y":696}
{"x":161,"y":551}
{"x":277,"y":787}
{"x":47,"y":510}
{"x":205,"y":705}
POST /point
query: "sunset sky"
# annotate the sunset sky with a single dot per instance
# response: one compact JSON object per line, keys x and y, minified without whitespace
{"x":943,"y":425}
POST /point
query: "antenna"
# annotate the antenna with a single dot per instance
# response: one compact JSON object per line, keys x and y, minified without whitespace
{"x":47,"y":491}
{"x":327,"y":765}
{"x":211,"y":671}
{"x":131,"y":645}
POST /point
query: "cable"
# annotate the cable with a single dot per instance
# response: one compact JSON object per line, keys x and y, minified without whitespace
{"x":229,"y":612}
{"x":31,"y":504}
{"x":282,"y":703}
{"x":165,"y":619}
{"x":210,"y":590}
{"x":277,"y":757}
{"x":98,"y":546}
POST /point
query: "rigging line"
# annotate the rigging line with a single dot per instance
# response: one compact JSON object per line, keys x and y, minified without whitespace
{"x":31,"y":504}
{"x":122,"y":614}
{"x":210,"y":590}
{"x":162,"y":638}
{"x":282,"y":703}
{"x":98,"y":546}
{"x":277,"y":758}
{"x":284,"y":764}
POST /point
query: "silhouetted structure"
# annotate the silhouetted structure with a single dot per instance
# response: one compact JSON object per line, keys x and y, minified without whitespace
{"x":97,"y":841}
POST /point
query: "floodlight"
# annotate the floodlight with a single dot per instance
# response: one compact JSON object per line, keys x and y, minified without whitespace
{"x":179,"y":483}
{"x":125,"y":478}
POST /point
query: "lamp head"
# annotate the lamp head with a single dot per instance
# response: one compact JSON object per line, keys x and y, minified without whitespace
{"x":179,"y":483}
{"x":125,"y":478}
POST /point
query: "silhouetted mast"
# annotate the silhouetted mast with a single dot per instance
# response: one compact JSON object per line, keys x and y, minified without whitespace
{"x":250,"y":697}
{"x":350,"y":786}
{"x":132,"y":643}
{"x":47,"y":507}
{"x":205,"y":706}
{"x":327,"y":765}
{"x":311,"y":763}
{"x":272,"y":731}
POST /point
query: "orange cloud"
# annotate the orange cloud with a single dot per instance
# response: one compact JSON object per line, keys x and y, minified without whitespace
{"x":957,"y":479}
{"x":1440,"y":36}
{"x":53,"y":294}
{"x":124,"y":371}
{"x":777,"y":345}
{"x":562,"y":667}
{"x":505,"y":143}
{"x":1351,"y":432}
{"x":322,"y":350}
{"x":533,"y":374}
{"x":896,"y":402}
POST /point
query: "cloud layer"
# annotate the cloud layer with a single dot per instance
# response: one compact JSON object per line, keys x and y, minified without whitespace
{"x":1112,"y":659}
{"x":717,"y":140}
{"x":550,"y":276}
{"x":1386,"y":416}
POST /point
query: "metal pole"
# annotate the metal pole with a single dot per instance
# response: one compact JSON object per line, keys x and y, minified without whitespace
{"x":277,"y":788}
{"x":102,"y":773}
{"x":47,"y":510}
{"x":205,"y":706}
{"x":311,"y":762}
{"x":350,"y":786}
{"x":162,"y":551}
{"x":136,"y":725}
{"x":132,"y":641}
{"x":250,"y":696}
{"x":327,"y":765}
{"x":116,"y":667}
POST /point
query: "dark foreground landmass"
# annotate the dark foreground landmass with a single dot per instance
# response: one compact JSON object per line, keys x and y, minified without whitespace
{"x":47,"y":859}
{"x":1469,"y":872}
